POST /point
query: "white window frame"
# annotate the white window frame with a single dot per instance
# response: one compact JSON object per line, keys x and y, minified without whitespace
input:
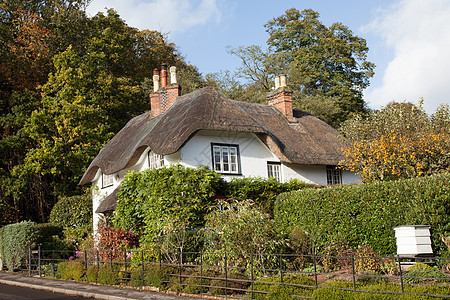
{"x":107,"y":180}
{"x":226,"y":158}
{"x":274,"y":170}
{"x":155,"y":161}
{"x":334,"y":175}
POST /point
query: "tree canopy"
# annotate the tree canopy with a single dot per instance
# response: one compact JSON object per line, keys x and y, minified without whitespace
{"x":398,"y":141}
{"x":68,"y":83}
{"x":327,"y":66}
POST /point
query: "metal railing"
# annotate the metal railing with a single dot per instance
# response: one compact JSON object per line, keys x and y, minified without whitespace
{"x":250,"y":276}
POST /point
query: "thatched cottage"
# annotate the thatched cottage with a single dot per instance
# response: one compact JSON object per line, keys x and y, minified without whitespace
{"x":236,"y":139}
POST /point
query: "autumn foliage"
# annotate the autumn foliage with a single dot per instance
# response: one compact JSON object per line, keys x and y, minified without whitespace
{"x":399,"y":141}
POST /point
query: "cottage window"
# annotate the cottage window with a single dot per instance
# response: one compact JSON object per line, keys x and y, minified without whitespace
{"x":274,"y":170}
{"x":107,"y":180}
{"x":334,"y":175}
{"x":155,"y":161}
{"x":225,"y":158}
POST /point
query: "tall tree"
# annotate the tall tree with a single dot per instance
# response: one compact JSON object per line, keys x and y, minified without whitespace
{"x":70,"y":83}
{"x":327,"y":66}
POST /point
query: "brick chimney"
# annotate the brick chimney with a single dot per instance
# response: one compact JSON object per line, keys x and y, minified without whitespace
{"x":165,"y":96}
{"x":281,"y":97}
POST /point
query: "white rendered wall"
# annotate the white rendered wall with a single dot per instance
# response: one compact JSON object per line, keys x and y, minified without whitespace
{"x":254,"y":155}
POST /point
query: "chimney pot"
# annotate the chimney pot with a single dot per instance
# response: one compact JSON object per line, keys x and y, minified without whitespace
{"x":277,"y":82}
{"x":173,"y":75}
{"x":283,"y":80}
{"x":163,"y":75}
{"x":155,"y":80}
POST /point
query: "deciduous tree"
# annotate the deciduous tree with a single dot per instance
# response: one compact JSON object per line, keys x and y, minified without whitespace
{"x":398,"y":141}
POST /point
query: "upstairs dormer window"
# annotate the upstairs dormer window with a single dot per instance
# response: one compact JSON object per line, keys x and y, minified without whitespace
{"x":225,"y":158}
{"x":155,"y":161}
{"x":107,"y":180}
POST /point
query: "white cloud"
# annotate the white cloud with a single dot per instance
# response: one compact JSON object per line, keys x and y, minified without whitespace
{"x":167,"y":16}
{"x":419,"y":33}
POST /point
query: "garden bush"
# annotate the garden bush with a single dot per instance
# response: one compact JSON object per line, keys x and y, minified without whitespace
{"x":277,"y":291}
{"x":234,"y":283}
{"x":263,"y":191}
{"x":74,"y":215}
{"x":92,"y":273}
{"x":428,"y":274}
{"x":71,"y":270}
{"x":336,"y":294}
{"x":107,"y":275}
{"x":359,"y":214}
{"x":16,"y":238}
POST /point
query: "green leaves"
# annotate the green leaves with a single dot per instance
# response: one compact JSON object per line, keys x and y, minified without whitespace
{"x":358,"y":214}
{"x":150,"y":202}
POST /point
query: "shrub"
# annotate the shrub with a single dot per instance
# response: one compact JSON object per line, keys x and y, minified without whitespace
{"x":234,"y":283}
{"x":106,"y":275}
{"x":50,"y":237}
{"x":277,"y":291}
{"x":16,"y":238}
{"x":92,"y":273}
{"x":263,"y":191}
{"x":113,"y":241}
{"x":197,"y":283}
{"x":366,"y":260}
{"x":428,"y":273}
{"x":151,"y":198}
{"x":71,"y":270}
{"x":72,"y":212}
{"x":359,"y":214}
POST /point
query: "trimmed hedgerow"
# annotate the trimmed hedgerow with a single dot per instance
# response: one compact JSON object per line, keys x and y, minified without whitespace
{"x":263,"y":191}
{"x":360,"y":214}
{"x":16,"y":238}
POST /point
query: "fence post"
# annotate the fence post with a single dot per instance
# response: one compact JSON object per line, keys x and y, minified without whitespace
{"x":226,"y":276}
{"x":98,"y":261}
{"x":179,"y":270}
{"x":85,"y":260}
{"x":201,"y":272}
{"x":159,"y":258}
{"x":53,"y":263}
{"x":125,"y":260}
{"x":29,"y":260}
{"x":401,"y":274}
{"x":143,"y":268}
{"x":315,"y":271}
{"x":353,"y":273}
{"x":251,"y":271}
{"x":281,"y":269}
{"x":39,"y":260}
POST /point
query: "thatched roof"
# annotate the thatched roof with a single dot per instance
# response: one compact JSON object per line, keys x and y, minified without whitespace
{"x":109,"y":204}
{"x":306,"y":140}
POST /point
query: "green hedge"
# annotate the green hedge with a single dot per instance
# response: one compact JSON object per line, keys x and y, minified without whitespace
{"x":358,"y":214}
{"x":263,"y":191}
{"x":72,"y":212}
{"x":16,"y":238}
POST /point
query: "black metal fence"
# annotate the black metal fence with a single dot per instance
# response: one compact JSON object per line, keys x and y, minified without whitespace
{"x":251,"y":276}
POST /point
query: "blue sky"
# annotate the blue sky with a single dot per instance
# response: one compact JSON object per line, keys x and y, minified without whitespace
{"x":409,"y":40}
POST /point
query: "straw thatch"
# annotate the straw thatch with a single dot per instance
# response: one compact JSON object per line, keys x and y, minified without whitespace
{"x":306,"y":140}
